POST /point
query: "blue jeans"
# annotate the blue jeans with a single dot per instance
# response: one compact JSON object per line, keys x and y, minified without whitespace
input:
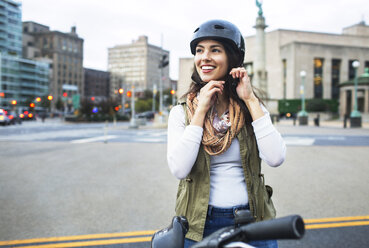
{"x":222,"y":217}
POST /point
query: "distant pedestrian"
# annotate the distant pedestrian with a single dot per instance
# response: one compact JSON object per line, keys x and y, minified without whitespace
{"x":43,"y":116}
{"x":218,"y":135}
{"x":317,"y":120}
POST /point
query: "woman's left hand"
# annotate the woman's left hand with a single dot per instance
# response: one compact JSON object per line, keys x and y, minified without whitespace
{"x":244,"y":87}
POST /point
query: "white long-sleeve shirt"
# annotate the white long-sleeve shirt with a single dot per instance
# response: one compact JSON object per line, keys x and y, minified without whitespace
{"x":227,"y":183}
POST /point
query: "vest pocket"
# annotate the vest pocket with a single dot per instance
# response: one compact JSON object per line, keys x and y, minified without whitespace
{"x":266,"y":206}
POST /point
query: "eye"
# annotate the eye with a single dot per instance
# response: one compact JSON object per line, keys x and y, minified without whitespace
{"x":198,"y":50}
{"x":216,"y":50}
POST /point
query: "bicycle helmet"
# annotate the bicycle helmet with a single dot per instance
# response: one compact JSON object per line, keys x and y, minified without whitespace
{"x":219,"y":30}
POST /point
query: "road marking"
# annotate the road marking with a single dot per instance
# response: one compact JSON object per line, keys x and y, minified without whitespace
{"x":336,"y":138}
{"x":145,"y":236}
{"x":342,"y":224}
{"x":78,"y":237}
{"x":149,"y":140}
{"x":92,"y":243}
{"x":93,"y":139}
{"x":298,"y":141}
{"x":336,"y":222}
{"x":335,"y":219}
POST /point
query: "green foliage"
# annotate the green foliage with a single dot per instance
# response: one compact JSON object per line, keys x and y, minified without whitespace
{"x":289,"y":106}
{"x":143,"y":105}
{"x":312,"y":105}
{"x":59,"y":104}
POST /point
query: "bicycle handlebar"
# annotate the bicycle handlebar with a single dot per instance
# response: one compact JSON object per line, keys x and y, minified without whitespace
{"x":173,"y":235}
{"x":290,"y":227}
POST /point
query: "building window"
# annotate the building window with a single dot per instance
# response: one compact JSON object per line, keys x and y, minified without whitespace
{"x":351,"y":69}
{"x":366,"y":65}
{"x":336,"y":68}
{"x":318,"y":77}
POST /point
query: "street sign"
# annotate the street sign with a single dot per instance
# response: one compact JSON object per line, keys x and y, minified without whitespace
{"x":75,"y":100}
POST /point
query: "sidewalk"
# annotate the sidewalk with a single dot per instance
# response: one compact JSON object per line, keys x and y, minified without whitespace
{"x":325,"y":127}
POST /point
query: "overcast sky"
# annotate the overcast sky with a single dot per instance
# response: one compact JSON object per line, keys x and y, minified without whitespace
{"x":106,"y":23}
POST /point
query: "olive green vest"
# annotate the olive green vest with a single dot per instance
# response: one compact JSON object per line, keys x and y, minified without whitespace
{"x":194,"y":191}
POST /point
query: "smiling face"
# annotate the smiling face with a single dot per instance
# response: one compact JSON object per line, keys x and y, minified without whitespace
{"x":211,"y":60}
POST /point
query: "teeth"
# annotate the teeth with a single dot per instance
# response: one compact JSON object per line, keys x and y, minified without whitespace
{"x":207,"y":67}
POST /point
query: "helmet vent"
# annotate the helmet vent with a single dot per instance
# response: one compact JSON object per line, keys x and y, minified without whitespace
{"x":218,"y":27}
{"x":197,"y":29}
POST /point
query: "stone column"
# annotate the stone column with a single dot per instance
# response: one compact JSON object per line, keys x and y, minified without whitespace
{"x":260,"y":75}
{"x":366,"y":101}
{"x":342,"y":105}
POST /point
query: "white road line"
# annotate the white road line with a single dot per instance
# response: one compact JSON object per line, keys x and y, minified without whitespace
{"x":336,"y":138}
{"x":93,"y":139}
{"x":149,"y":140}
{"x":298,"y":141}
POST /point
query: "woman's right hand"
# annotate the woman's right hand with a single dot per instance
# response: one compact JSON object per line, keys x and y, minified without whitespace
{"x":206,"y":99}
{"x":207,"y":95}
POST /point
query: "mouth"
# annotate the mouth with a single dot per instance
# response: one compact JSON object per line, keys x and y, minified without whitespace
{"x":207,"y":68}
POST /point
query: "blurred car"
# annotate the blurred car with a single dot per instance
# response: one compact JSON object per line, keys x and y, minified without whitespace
{"x":14,"y":118}
{"x":4,"y":119}
{"x":146,"y":115}
{"x":25,"y":116}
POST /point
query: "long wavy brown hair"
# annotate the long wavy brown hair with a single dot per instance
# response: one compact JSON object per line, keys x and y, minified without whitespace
{"x":234,"y":61}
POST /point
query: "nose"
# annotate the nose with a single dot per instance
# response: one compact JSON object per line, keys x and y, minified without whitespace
{"x":205,"y":56}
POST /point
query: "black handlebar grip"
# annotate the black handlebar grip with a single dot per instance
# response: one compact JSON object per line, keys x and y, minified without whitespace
{"x":289,"y":227}
{"x":173,"y":235}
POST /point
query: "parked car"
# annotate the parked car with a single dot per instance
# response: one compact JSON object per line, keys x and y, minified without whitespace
{"x":14,"y":118}
{"x":147,"y":115}
{"x":4,"y":119}
{"x":25,"y":116}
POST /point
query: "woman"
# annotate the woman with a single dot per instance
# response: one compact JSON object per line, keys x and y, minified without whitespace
{"x":218,"y":135}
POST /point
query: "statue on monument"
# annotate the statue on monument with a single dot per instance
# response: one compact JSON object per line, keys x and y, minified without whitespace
{"x":258,"y":4}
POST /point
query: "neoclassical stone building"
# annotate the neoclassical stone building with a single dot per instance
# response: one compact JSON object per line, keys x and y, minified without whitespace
{"x":326,"y":58}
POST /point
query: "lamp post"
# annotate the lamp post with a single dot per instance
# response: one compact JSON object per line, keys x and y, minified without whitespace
{"x":355,"y":116}
{"x":303,"y":116}
{"x":133,"y":123}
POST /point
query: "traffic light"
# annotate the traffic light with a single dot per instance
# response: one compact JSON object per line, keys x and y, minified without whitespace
{"x":172,"y":92}
{"x":121,"y":91}
{"x":164,"y":61}
{"x":32,"y":105}
{"x":50,"y":97}
{"x":92,"y":98}
{"x":2,"y":94}
{"x":129,"y":93}
{"x":116,"y":108}
{"x":38,"y":99}
{"x":14,"y":102}
{"x":65,"y":94}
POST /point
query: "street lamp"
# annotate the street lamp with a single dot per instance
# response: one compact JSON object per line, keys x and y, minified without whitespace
{"x":355,"y":116}
{"x":303,"y":116}
{"x":133,"y":123}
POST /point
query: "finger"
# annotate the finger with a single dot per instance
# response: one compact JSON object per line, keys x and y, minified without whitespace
{"x":243,"y":74}
{"x":213,"y":91}
{"x":219,"y":84}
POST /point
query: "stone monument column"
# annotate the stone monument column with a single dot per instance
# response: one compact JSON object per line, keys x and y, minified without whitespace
{"x":260,"y":74}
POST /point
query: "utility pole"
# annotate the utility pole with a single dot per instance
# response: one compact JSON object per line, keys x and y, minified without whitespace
{"x":162,"y":64}
{"x":133,"y":123}
{"x":154,"y":91}
{"x":1,"y":86}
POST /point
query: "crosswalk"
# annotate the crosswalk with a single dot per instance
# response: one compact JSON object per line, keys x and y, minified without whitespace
{"x":127,"y":136}
{"x":159,"y":136}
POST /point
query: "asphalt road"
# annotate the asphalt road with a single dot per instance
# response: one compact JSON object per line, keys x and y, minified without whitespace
{"x":62,"y":180}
